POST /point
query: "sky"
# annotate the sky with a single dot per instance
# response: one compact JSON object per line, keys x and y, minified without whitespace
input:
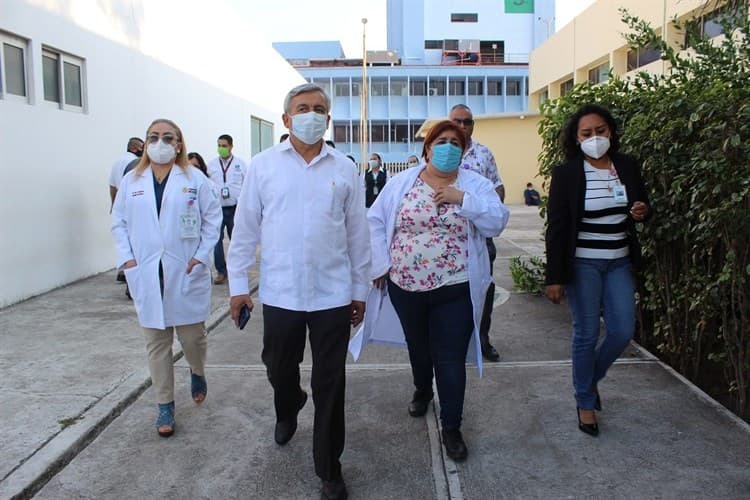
{"x":302,"y":20}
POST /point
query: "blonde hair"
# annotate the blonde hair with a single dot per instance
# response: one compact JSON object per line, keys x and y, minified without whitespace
{"x":181,"y":159}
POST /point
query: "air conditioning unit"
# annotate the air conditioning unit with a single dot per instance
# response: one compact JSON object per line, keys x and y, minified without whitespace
{"x":433,"y":91}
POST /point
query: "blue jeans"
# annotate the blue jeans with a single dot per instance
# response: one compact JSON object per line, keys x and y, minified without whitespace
{"x":438,"y":325}
{"x":599,"y":285}
{"x":227,"y":222}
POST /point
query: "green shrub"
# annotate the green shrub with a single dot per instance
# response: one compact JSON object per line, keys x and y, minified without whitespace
{"x":528,"y":274}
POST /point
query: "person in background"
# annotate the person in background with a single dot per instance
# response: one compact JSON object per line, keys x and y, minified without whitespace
{"x":479,"y":158}
{"x":133,"y":151}
{"x":427,"y":232}
{"x":412,"y":161}
{"x":531,"y":196}
{"x":228,"y":173}
{"x":314,"y":268}
{"x":196,"y":160}
{"x":165,"y":222}
{"x":595,"y":199}
{"x":375,"y":179}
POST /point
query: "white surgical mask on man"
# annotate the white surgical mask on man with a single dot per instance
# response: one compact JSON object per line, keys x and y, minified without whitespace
{"x":596,"y":146}
{"x":309,"y":127}
{"x":161,"y":152}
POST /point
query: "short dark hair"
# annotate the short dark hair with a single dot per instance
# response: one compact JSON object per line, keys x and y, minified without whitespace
{"x":438,"y":129}
{"x":226,"y":137}
{"x":201,"y":163}
{"x":569,"y":136}
{"x":133,"y":142}
{"x":528,"y":184}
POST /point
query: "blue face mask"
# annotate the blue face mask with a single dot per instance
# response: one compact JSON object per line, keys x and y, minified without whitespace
{"x":446,"y":157}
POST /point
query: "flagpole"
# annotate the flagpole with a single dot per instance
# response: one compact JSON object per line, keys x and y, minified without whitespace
{"x":363,"y":129}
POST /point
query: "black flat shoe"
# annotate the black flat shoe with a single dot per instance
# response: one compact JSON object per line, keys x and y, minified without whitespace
{"x":420,"y":402}
{"x":490,"y":353}
{"x":334,"y":490}
{"x":454,"y":444}
{"x":590,"y":429}
{"x":285,"y":429}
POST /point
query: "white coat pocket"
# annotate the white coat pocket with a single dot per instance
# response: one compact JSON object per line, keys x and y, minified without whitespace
{"x":198,"y":281}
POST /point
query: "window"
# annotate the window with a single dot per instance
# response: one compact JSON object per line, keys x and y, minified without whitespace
{"x":464,"y":18}
{"x":566,"y":87}
{"x":456,"y":87}
{"x":492,"y":51}
{"x":62,"y":76}
{"x":475,"y":87}
{"x":356,"y":87}
{"x":355,"y":133}
{"x":433,"y":44}
{"x":341,"y":89}
{"x":418,"y":87}
{"x":450,"y":45}
{"x":399,"y":132}
{"x":324,"y":84}
{"x":379,"y":132}
{"x":543,"y":96}
{"x":599,"y":74}
{"x":261,"y":135}
{"x":398,"y":88}
{"x":437,"y":87}
{"x":413,"y":128}
{"x":12,"y":66}
{"x":513,"y":87}
{"x":641,"y":57}
{"x":341,"y":132}
{"x":494,"y":87}
{"x":379,"y":88}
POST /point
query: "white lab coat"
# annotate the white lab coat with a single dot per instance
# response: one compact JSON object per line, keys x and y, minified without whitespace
{"x":487,"y":216}
{"x":139,"y":234}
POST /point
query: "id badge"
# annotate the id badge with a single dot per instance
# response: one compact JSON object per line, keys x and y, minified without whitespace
{"x":375,"y":190}
{"x":620,"y":195}
{"x":225,"y":192}
{"x":189,"y":226}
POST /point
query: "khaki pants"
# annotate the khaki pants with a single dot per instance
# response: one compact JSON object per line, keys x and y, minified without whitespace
{"x":159,"y":347}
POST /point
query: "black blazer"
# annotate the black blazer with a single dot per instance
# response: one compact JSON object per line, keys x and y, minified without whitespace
{"x":371,"y":182}
{"x":565,"y":207}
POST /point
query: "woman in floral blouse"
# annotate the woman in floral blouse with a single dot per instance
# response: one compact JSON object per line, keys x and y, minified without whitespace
{"x":428,"y":230}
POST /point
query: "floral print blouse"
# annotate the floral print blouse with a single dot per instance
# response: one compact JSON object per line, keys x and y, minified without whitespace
{"x":430,"y":245}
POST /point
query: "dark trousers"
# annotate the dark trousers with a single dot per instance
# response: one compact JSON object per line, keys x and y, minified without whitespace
{"x":228,"y":223}
{"x":283,"y":350}
{"x":484,"y":326}
{"x":438,"y":325}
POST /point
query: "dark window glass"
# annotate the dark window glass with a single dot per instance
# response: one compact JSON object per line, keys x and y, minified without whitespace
{"x":418,"y":87}
{"x":566,"y":87}
{"x":72,"y":83}
{"x":494,"y":87}
{"x":464,"y":18}
{"x":437,"y":87}
{"x":475,"y":87}
{"x":513,"y":87}
{"x":340,"y":132}
{"x":15,"y":76}
{"x":433,"y":44}
{"x":451,"y":45}
{"x":456,"y":87}
{"x":51,"y":79}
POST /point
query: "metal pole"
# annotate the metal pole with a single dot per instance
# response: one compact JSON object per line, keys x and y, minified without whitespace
{"x":363,"y":131}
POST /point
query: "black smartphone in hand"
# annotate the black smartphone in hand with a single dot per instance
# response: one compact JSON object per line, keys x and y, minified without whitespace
{"x":244,"y":317}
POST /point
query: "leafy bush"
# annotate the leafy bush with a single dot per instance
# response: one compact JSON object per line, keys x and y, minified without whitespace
{"x":528,"y":274}
{"x":691,"y":129}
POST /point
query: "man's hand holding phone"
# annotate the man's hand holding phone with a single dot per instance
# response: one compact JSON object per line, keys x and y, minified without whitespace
{"x":240,"y":307}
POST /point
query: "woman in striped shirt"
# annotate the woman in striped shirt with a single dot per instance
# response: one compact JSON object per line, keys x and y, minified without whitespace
{"x":595,"y":199}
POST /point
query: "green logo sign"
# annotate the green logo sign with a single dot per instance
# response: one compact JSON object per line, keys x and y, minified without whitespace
{"x":519,"y":6}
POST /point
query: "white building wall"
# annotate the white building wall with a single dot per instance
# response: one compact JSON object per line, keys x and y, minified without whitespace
{"x":187,"y":60}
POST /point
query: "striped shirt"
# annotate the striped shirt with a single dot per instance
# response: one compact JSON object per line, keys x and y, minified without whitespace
{"x":603,"y":230}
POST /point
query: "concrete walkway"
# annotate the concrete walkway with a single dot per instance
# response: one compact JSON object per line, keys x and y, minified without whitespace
{"x":79,"y":418}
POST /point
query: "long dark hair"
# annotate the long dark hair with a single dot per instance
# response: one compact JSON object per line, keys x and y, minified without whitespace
{"x":201,"y":164}
{"x":569,"y":136}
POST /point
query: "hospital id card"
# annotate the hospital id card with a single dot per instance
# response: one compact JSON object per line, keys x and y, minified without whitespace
{"x":620,"y":195}
{"x":189,"y":226}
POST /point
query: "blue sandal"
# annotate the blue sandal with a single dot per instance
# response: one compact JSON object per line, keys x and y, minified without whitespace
{"x":165,"y":419}
{"x":198,"y":387}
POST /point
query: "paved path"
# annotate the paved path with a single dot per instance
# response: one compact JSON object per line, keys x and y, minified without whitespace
{"x":77,"y":353}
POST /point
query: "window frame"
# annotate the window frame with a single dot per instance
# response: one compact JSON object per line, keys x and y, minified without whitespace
{"x":260,"y":124}
{"x":23,"y":45}
{"x":464,"y":17}
{"x":61,"y":59}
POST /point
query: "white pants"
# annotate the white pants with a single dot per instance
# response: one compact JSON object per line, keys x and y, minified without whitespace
{"x":159,"y":347}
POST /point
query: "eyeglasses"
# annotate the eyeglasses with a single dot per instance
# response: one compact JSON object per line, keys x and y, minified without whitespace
{"x":467,"y":122}
{"x":166,"y":138}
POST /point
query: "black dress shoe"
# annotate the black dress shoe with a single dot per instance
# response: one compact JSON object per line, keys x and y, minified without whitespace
{"x":590,"y":429}
{"x":285,"y":429}
{"x":454,"y":444}
{"x":420,"y":402}
{"x":334,"y":490}
{"x":490,"y":353}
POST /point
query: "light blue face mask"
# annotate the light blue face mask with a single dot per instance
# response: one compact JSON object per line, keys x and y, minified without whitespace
{"x":446,"y":157}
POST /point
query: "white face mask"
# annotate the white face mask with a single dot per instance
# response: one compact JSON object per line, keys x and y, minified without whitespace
{"x":373,"y":163}
{"x":309,"y":127}
{"x":596,"y":146}
{"x":161,"y":153}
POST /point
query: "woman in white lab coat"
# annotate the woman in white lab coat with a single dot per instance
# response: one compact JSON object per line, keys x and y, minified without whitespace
{"x":165,"y":223}
{"x":428,"y":230}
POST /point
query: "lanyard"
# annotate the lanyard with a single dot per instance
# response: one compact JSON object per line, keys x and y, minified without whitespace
{"x":223,"y":169}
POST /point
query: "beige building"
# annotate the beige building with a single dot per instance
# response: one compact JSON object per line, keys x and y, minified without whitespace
{"x":593,"y":43}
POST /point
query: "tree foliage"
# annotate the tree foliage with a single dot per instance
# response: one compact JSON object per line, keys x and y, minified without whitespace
{"x":690,"y":127}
